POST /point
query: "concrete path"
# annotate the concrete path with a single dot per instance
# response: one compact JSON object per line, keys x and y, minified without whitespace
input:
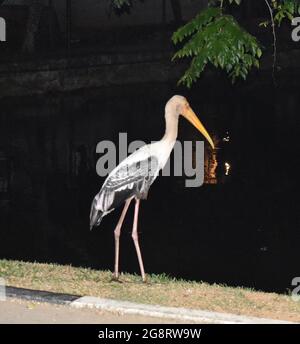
{"x":15,"y":311}
{"x":130,"y":309}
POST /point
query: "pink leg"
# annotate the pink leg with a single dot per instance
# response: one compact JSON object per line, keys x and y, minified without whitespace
{"x":117,"y":237}
{"x":136,"y":239}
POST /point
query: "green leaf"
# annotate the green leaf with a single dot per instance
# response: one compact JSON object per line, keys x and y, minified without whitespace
{"x":258,"y":52}
{"x":264,"y":23}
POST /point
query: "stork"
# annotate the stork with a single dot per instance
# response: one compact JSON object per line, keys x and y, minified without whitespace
{"x":132,"y":178}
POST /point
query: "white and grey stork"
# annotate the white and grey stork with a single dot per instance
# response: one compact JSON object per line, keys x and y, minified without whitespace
{"x":132,"y":178}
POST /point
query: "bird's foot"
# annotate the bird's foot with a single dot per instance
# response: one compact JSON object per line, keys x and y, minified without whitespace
{"x":115,"y":278}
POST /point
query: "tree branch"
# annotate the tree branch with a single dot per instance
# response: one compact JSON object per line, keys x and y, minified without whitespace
{"x":274,"y":41}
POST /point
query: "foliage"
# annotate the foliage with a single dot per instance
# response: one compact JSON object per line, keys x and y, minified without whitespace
{"x":285,"y":9}
{"x":217,"y":39}
{"x":122,"y":6}
{"x":120,"y":3}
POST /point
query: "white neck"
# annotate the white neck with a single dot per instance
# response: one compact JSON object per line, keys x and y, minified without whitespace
{"x":171,"y":127}
{"x":166,"y":144}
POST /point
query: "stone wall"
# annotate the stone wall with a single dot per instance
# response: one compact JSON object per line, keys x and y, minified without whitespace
{"x":63,"y":74}
{"x":85,"y":72}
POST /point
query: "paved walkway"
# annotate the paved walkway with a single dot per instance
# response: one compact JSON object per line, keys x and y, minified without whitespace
{"x":121,"y":311}
{"x":15,"y":311}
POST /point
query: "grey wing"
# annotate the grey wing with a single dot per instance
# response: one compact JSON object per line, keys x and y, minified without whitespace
{"x":131,"y":179}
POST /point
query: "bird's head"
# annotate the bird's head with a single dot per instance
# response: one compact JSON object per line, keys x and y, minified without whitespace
{"x":178,"y":105}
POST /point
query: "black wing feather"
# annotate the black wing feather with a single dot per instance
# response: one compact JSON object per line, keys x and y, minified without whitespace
{"x":129,"y":180}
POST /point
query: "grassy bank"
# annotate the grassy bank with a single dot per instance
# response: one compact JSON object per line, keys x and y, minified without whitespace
{"x":160,"y":290}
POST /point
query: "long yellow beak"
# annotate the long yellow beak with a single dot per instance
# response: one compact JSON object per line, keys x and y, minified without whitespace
{"x":190,"y":115}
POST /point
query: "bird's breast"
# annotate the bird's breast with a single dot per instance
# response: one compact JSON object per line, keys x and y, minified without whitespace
{"x":162,"y":151}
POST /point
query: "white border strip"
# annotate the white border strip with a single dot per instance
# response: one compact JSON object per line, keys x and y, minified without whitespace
{"x":193,"y":315}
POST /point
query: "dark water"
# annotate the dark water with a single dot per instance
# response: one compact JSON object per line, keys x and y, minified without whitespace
{"x":244,"y":230}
